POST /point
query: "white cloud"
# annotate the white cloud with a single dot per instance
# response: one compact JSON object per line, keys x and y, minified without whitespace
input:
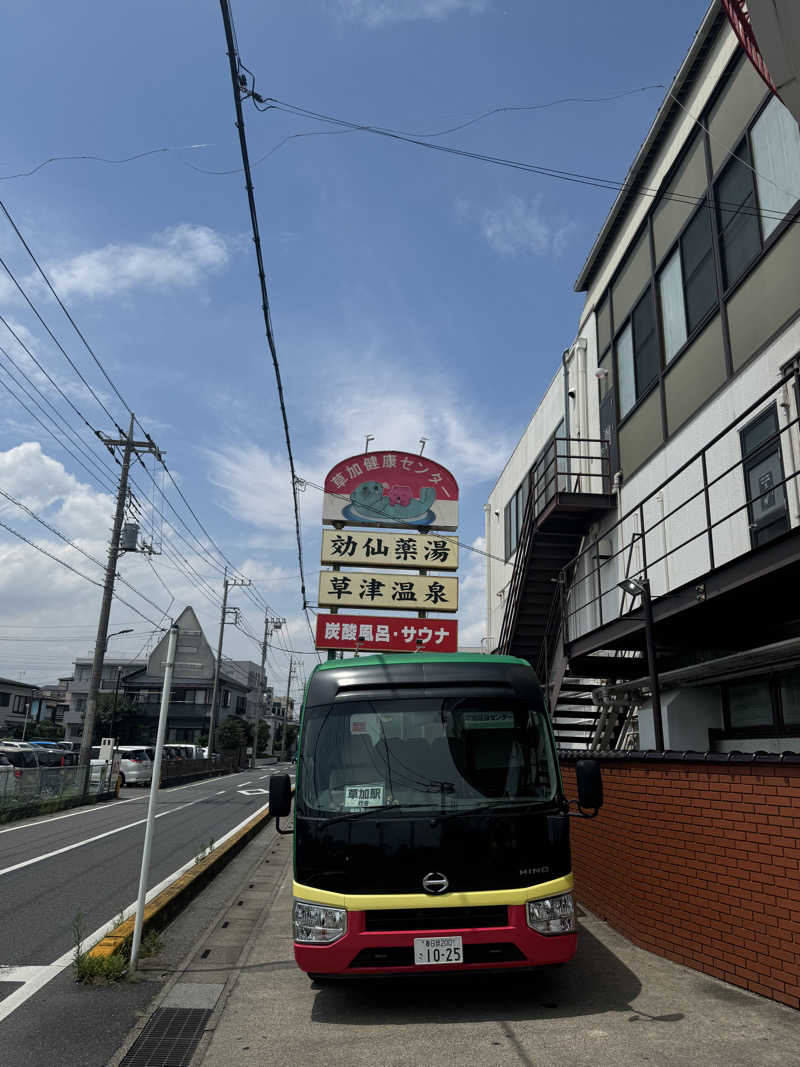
{"x":377,"y":13}
{"x":180,"y":256}
{"x":519,"y":226}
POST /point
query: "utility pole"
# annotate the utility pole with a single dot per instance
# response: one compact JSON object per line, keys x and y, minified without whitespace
{"x":286,"y":709}
{"x":270,"y":626}
{"x":129,"y":447}
{"x":228,"y":583}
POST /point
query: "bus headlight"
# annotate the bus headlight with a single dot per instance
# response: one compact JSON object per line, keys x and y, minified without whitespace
{"x":315,"y":924}
{"x":552,"y":915}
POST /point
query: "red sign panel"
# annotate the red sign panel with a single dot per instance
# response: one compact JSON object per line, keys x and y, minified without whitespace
{"x":391,"y":489}
{"x":742,"y":27}
{"x":377,"y":633}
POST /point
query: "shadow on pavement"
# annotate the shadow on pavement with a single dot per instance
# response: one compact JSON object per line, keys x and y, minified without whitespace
{"x":596,"y":981}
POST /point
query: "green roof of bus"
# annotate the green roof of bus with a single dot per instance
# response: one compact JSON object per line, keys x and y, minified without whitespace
{"x":382,"y":658}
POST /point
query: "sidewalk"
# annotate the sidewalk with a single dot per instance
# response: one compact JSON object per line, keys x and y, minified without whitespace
{"x":614,"y":1004}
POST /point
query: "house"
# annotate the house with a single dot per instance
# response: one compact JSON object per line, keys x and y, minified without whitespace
{"x":114,"y":669}
{"x":659,"y":473}
{"x":15,"y":702}
{"x":192,"y":686}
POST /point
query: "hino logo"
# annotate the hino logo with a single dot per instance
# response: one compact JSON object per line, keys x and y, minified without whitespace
{"x":434,"y":882}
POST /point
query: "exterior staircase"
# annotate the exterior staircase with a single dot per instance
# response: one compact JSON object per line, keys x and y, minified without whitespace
{"x":556,"y":518}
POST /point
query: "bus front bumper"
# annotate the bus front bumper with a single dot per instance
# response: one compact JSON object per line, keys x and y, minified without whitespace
{"x":362,"y":951}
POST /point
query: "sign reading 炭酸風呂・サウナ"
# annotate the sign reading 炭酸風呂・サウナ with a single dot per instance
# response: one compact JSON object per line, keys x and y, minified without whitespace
{"x":365,"y":548}
{"x":397,"y":592}
{"x":391,"y":489}
{"x":380,"y":633}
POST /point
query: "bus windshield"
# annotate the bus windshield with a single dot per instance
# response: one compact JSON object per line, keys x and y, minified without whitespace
{"x":443,"y":754}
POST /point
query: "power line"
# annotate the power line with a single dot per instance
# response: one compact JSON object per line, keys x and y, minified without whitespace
{"x":87,"y":555}
{"x":236,"y":81}
{"x":575,"y":177}
{"x":74,"y":570}
{"x":102,"y":159}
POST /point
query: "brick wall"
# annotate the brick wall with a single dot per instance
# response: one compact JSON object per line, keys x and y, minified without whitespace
{"x":699,"y":863}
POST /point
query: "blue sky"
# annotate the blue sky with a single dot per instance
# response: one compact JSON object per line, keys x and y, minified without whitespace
{"x":413,"y":293}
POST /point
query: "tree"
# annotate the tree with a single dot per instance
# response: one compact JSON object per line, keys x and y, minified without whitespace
{"x":232,"y":734}
{"x":263,"y":738}
{"x":119,"y":721}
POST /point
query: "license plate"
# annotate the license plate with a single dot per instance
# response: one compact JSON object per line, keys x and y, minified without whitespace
{"x":438,"y":950}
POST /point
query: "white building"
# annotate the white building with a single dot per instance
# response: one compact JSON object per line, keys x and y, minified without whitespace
{"x":666,"y":446}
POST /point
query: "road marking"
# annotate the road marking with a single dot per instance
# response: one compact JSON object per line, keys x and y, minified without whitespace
{"x":219,"y":794}
{"x":33,"y":824}
{"x":246,"y":783}
{"x":97,"y":837}
{"x":252,"y":792}
{"x":19,"y":974}
{"x":45,"y":973}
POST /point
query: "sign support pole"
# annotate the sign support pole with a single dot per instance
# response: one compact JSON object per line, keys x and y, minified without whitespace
{"x":166,"y":692}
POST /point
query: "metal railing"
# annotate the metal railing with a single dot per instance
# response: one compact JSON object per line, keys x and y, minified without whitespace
{"x":570,"y":465}
{"x":567,"y":465}
{"x":701,"y":516}
{"x":23,"y":787}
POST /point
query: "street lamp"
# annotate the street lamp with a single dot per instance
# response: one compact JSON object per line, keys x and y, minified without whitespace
{"x":115,"y":634}
{"x":641,"y":587}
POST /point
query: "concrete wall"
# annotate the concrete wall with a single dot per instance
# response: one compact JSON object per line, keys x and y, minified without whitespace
{"x":700,"y":863}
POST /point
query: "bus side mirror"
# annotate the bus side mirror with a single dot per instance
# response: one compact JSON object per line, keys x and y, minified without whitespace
{"x":280,"y":795}
{"x":590,"y":784}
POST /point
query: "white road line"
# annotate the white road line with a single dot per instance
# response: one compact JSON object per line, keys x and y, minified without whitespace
{"x":33,"y":824}
{"x":243,"y":784}
{"x":16,"y":999}
{"x":89,"y":840}
{"x":219,"y":794}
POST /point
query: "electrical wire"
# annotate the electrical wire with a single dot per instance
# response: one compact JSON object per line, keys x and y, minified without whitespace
{"x":575,"y":177}
{"x":102,"y":159}
{"x":74,"y":570}
{"x":235,"y":69}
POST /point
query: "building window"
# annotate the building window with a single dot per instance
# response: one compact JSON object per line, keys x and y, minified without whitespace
{"x":637,"y":354}
{"x":699,"y":281}
{"x":645,"y":344}
{"x":514,"y":514}
{"x":749,"y":704}
{"x":18,"y":707}
{"x":764,"y":478}
{"x":673,"y":314}
{"x":775,"y":138}
{"x":737,"y":217}
{"x":5,"y":700}
{"x":226,"y":698}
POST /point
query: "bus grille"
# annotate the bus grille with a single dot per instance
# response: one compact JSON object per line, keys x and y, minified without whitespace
{"x":436,"y":918}
{"x":401,"y":956}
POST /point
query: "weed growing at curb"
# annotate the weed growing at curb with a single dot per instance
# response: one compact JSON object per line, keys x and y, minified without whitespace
{"x":95,"y":970}
{"x":206,"y":851}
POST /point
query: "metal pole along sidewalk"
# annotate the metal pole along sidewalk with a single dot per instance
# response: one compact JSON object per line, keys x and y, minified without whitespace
{"x":166,"y":692}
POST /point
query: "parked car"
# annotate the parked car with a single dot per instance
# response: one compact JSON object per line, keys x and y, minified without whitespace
{"x":136,"y":765}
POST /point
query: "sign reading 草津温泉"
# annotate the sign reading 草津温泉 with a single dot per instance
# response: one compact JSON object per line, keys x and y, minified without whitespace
{"x":376,"y":633}
{"x":397,"y":592}
{"x":361,"y":548}
{"x":391,"y":489}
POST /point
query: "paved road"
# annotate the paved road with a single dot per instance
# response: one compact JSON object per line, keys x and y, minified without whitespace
{"x":86,"y":862}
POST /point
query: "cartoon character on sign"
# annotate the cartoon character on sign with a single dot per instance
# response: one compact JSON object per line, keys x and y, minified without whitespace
{"x":380,"y":501}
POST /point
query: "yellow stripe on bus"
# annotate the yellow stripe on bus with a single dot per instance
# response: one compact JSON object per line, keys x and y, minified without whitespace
{"x":382,"y":901}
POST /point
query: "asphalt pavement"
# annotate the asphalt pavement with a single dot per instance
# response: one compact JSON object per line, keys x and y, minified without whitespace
{"x":82,"y":867}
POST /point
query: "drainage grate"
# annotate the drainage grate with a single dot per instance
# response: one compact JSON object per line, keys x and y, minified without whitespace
{"x":169,"y":1039}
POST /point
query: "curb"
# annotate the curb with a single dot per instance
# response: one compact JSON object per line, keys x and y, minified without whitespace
{"x":170,"y":900}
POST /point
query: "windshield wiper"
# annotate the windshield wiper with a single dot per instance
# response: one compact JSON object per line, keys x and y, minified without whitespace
{"x":371,"y":811}
{"x":504,"y":806}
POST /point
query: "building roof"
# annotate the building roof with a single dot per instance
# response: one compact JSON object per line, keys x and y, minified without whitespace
{"x":156,"y":681}
{"x":668,"y":114}
{"x":19,"y":685}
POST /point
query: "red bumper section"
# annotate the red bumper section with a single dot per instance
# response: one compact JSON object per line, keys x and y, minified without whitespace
{"x":369,"y":952}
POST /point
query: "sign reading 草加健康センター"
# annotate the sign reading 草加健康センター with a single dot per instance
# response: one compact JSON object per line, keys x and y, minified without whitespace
{"x":366,"y":548}
{"x":397,"y":592}
{"x":391,"y":489}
